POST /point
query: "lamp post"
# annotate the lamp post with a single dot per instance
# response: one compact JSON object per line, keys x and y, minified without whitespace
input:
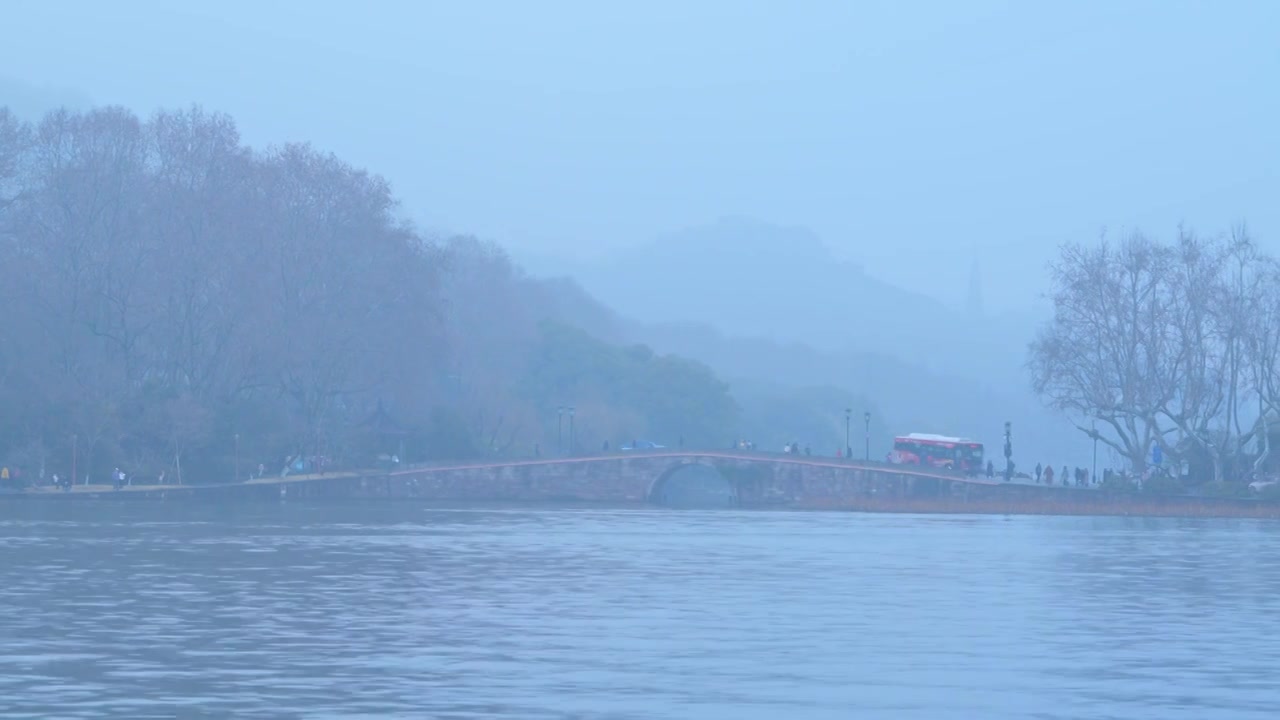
{"x":74,"y":438}
{"x":571,"y":443}
{"x":848,"y":446}
{"x":237,"y":465}
{"x":560,"y":430}
{"x":1008,"y":451}
{"x":1094,"y":433}
{"x":866,"y":419}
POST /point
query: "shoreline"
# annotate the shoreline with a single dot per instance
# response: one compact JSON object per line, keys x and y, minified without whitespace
{"x":1169,"y":507}
{"x":751,"y":481}
{"x":1067,"y":503}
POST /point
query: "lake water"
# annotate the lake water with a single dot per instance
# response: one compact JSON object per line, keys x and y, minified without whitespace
{"x":138,"y":611}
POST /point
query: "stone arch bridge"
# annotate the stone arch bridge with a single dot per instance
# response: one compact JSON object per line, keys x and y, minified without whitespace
{"x":739,"y":479}
{"x":744,"y":479}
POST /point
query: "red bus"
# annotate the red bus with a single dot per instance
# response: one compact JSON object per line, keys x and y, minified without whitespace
{"x":938,"y":451}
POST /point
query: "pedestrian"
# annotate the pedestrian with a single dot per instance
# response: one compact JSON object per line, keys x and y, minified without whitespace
{"x":1039,"y":472}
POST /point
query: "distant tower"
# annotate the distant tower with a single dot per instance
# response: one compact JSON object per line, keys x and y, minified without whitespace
{"x":974,"y":305}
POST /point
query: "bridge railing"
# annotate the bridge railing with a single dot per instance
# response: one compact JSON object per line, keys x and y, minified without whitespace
{"x":771,"y":455}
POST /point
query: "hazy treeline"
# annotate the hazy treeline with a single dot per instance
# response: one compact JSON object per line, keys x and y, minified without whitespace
{"x":1170,"y":344}
{"x":171,"y":295}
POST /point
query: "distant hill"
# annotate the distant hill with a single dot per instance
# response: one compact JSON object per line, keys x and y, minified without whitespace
{"x":912,"y":398}
{"x":772,"y":311}
{"x":754,"y":279}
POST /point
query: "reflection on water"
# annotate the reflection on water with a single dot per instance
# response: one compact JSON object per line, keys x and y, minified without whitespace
{"x":160,"y":611}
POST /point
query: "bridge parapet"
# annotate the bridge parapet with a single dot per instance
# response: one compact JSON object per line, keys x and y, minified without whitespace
{"x":631,"y":478}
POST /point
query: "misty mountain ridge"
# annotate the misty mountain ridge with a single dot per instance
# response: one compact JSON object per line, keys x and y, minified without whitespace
{"x":912,"y":398}
{"x":791,"y":390}
{"x":756,"y":279}
{"x":770,"y":308}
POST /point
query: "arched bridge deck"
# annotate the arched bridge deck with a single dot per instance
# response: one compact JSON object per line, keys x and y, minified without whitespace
{"x":763,"y":458}
{"x":755,"y":478}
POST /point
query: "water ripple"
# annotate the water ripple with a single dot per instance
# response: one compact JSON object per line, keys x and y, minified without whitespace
{"x":117,"y":610}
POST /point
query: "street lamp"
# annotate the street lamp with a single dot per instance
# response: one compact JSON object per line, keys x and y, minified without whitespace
{"x":866,"y":419}
{"x":1008,"y":451}
{"x":74,"y":438}
{"x":560,"y":430}
{"x":848,"y":446}
{"x":571,"y":430}
{"x":1094,"y":433}
{"x":237,"y":465}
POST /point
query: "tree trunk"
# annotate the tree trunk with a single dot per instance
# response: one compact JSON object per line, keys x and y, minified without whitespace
{"x":1138,"y":459}
{"x":1264,"y":443}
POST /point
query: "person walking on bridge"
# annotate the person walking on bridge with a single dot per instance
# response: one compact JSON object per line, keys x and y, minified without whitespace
{"x":1048,"y":475}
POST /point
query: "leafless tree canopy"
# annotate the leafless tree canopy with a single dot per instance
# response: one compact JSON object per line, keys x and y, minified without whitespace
{"x":177,"y":302}
{"x":1166,"y":344}
{"x":165,"y":285}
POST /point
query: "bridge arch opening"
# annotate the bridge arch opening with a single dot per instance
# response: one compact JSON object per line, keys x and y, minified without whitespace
{"x":693,"y":485}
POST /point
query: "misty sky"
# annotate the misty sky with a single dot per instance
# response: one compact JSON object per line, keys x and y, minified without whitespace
{"x":908,"y":135}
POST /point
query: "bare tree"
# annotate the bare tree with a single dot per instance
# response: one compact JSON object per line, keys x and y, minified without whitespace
{"x":1242,"y":293}
{"x":15,"y":139}
{"x":1165,"y":345}
{"x":489,"y":328}
{"x":1263,"y":352}
{"x":183,"y":422}
{"x":76,"y":248}
{"x":167,"y":285}
{"x":1100,"y":356}
{"x":336,"y":305}
{"x":201,"y":280}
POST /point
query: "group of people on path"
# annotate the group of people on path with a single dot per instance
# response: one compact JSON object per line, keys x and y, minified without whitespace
{"x":793,"y":448}
{"x":119,"y":478}
{"x":1079,"y":477}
